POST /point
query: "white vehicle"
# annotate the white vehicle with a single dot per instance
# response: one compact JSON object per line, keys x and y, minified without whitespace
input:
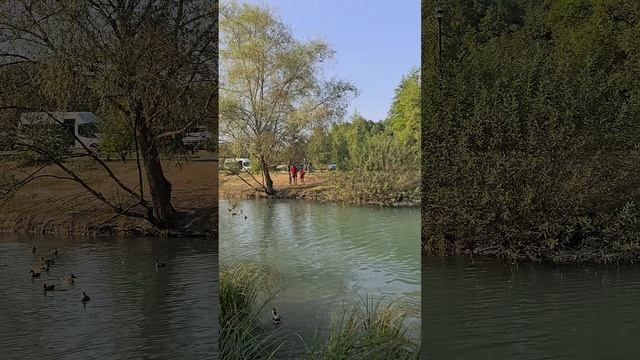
{"x":197,"y":138}
{"x":243,"y":163}
{"x":82,"y":125}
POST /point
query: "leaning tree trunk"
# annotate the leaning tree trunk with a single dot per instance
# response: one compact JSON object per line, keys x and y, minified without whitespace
{"x":159,"y":187}
{"x":268,"y":183}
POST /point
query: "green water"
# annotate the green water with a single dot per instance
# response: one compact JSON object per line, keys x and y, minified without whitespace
{"x":490,"y":310}
{"x":135,"y":312}
{"x":326,"y":254}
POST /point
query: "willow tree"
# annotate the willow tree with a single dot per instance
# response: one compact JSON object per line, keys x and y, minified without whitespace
{"x":150,"y":65}
{"x":272,"y":85}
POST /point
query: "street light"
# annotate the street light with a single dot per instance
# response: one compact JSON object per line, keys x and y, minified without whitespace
{"x":439,"y":14}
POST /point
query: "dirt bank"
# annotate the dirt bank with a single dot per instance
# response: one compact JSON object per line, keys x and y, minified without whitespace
{"x":61,"y":206}
{"x":319,"y":186}
{"x":232,"y":186}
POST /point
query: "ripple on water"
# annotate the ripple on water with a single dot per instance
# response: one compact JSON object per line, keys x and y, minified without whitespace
{"x":325,"y":253}
{"x":529,"y":312}
{"x":134,"y":311}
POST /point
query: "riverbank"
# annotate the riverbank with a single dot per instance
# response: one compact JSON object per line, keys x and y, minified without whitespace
{"x":590,"y":251}
{"x":324,"y":186}
{"x":55,"y":206}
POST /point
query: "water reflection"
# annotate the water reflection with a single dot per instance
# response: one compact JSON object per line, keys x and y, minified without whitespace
{"x":490,"y":310}
{"x":134,"y":311}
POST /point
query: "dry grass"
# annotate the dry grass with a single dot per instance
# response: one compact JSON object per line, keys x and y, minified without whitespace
{"x":232,"y":187}
{"x":62,"y":206}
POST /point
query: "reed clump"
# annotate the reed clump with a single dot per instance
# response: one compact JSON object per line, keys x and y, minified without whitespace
{"x":245,"y":289}
{"x":369,"y":329}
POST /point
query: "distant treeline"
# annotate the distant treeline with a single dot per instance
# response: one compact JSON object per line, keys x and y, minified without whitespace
{"x":365,"y":145}
{"x":531,"y":129}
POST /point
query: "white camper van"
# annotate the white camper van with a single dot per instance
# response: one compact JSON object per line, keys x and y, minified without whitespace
{"x":80,"y":124}
{"x":238,"y":163}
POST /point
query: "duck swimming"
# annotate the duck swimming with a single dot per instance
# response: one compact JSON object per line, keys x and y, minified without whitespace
{"x":48,"y":287}
{"x":70,"y":279}
{"x":34,"y":274}
{"x":159,"y":264}
{"x":47,"y":261}
{"x":85,"y":297}
{"x":275,"y":317}
{"x":33,"y":249}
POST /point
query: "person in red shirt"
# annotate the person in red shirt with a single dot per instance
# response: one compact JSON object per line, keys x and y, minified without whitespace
{"x":294,"y":174}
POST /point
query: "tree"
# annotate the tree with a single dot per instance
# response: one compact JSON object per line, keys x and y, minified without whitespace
{"x":272,"y":84}
{"x":152,"y":62}
{"x":116,"y":137}
{"x":530,"y":139}
{"x":319,"y":146}
{"x":404,"y":115}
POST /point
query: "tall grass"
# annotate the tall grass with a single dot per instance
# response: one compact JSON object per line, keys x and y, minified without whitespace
{"x":375,"y":187}
{"x":369,"y":329}
{"x":366,"y":329}
{"x":245,"y":289}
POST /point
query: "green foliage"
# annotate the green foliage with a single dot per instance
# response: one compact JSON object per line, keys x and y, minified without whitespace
{"x":375,"y":187}
{"x":116,"y":134}
{"x":244,"y":290}
{"x":369,"y":329}
{"x":530,"y":138}
{"x":51,"y":140}
{"x":404,"y":116}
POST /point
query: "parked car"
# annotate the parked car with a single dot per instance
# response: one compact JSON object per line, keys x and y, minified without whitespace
{"x":282,"y":167}
{"x":196,"y":140}
{"x":332,"y":167}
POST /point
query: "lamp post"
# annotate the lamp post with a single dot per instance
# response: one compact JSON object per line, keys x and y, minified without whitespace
{"x":439,"y":14}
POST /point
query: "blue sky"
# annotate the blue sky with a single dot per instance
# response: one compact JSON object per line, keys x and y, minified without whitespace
{"x":376,"y":42}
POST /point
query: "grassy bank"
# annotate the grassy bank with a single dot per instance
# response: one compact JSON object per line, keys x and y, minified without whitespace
{"x":51,"y":205}
{"x":363,"y":188}
{"x":370,"y":329}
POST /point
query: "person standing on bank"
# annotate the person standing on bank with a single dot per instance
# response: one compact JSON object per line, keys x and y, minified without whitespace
{"x":294,"y":174}
{"x":302,"y":175}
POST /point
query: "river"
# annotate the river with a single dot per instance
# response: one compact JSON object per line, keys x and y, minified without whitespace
{"x":326,"y":254}
{"x":486,"y":309}
{"x":135,"y":311}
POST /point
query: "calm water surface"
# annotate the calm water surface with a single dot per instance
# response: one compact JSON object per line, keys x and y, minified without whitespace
{"x":490,"y":310}
{"x":134,"y":312}
{"x":326,"y":254}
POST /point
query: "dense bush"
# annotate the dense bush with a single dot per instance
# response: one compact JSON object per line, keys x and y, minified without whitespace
{"x":531,"y":131}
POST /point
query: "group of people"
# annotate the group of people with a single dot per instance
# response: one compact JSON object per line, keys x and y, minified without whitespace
{"x":293,"y":174}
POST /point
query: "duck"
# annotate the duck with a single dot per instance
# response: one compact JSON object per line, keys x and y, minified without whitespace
{"x":55,"y":252}
{"x":34,"y":274}
{"x":33,"y":249}
{"x":159,"y":264}
{"x":47,"y":261}
{"x":85,"y":297}
{"x":245,"y":217}
{"x":70,"y":279}
{"x":48,"y":287}
{"x":275,"y":317}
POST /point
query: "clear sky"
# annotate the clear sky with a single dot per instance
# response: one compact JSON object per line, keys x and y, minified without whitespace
{"x":376,"y":42}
